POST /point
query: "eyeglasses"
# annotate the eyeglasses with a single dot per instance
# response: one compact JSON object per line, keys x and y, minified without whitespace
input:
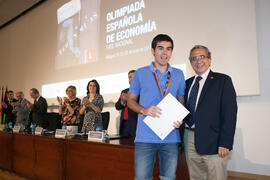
{"x":195,"y":58}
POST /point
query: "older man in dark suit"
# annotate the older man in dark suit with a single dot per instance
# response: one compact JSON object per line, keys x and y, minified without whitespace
{"x":128,"y":119}
{"x":210,"y":126}
{"x":38,"y":109}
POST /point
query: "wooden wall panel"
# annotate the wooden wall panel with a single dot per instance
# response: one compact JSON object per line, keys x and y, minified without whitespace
{"x":5,"y":150}
{"x":41,"y":157}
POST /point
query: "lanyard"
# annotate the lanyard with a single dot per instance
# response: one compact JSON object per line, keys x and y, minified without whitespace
{"x":167,"y":83}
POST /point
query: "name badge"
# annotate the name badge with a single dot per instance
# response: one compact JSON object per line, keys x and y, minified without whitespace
{"x":17,"y":129}
{"x":38,"y":130}
{"x":95,"y":136}
{"x":61,"y":133}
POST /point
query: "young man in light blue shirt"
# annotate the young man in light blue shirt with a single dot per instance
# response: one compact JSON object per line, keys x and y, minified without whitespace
{"x":152,"y":83}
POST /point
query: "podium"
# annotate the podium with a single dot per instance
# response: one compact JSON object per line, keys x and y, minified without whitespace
{"x":41,"y":157}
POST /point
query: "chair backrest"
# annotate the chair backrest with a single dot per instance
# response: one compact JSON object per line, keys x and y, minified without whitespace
{"x":54,"y":121}
{"x":105,"y":119}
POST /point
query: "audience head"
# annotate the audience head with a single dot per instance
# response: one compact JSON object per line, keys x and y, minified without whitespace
{"x":10,"y":95}
{"x":20,"y":95}
{"x":34,"y":93}
{"x":71,"y":91}
{"x":93,"y":87}
{"x":130,"y":75}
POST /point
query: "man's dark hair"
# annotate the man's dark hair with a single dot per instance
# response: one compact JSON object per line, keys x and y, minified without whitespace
{"x":97,"y":86}
{"x":160,"y":38}
{"x":131,"y":71}
{"x":10,"y":91}
{"x":34,"y":90}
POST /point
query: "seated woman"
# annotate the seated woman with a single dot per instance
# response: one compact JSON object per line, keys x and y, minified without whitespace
{"x":69,"y":107}
{"x":92,"y":106}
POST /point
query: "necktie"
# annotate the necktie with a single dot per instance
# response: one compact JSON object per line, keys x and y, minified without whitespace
{"x":191,"y":104}
{"x":35,"y":101}
{"x":126,"y":113}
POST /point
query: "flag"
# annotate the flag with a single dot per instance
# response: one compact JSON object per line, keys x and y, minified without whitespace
{"x":3,"y":118}
{"x":6,"y":96}
{"x":2,"y":100}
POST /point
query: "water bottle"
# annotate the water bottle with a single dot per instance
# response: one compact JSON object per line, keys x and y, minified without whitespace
{"x":33,"y":128}
{"x":99,"y":129}
{"x":64,"y":126}
{"x":10,"y":125}
{"x":105,"y":135}
{"x":22,"y":126}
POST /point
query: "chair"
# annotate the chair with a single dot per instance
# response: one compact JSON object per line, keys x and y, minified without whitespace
{"x":105,"y":119}
{"x":54,"y":121}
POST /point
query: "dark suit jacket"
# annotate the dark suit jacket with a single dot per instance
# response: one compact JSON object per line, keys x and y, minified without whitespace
{"x":216,"y":113}
{"x":39,"y":113}
{"x":8,"y":111}
{"x":127,"y":127}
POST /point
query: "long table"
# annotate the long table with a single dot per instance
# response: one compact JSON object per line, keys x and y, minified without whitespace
{"x":42,"y":157}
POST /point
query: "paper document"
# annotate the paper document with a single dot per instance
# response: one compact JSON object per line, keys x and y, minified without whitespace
{"x":172,"y":110}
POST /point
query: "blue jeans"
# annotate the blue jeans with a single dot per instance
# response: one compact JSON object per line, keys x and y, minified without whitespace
{"x":145,"y":156}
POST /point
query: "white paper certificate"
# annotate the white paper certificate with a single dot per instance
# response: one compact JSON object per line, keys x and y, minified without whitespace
{"x":172,"y":110}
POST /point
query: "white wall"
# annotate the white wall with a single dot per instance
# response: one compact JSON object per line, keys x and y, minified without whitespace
{"x":252,"y":139}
